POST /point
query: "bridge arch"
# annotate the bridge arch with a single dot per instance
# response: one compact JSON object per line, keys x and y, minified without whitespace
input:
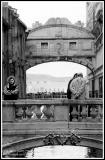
{"x":56,"y":140}
{"x":82,"y":61}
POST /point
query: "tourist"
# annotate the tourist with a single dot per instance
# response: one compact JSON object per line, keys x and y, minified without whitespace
{"x":11,"y":89}
{"x":76,"y":90}
{"x":68,"y":89}
{"x":78,"y":87}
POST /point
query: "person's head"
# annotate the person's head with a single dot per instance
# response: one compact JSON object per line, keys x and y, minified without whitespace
{"x":75,"y":75}
{"x":80,"y":75}
{"x":11,"y":80}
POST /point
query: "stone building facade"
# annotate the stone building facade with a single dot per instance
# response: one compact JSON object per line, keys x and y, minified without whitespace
{"x":13,"y":47}
{"x":95,"y":25}
{"x":59,"y":40}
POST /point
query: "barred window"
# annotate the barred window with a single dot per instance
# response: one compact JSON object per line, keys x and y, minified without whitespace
{"x":44,"y":45}
{"x":72,"y":45}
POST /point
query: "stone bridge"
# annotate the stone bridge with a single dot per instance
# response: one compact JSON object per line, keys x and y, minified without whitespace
{"x":51,"y":139}
{"x":59,"y":40}
{"x":25,"y":120}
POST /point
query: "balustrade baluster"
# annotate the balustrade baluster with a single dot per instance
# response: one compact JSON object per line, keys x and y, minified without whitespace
{"x":48,"y":111}
{"x":29,"y":112}
{"x":93,"y":113}
{"x":24,"y":113}
{"x":74,"y":113}
{"x":38,"y":111}
{"x":84,"y":113}
{"x":33,"y":109}
{"x":79,"y":113}
{"x":43,"y":117}
{"x":19,"y":113}
{"x":100,"y":114}
{"x":88,"y":113}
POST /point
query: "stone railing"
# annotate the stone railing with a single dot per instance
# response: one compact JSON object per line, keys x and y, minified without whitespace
{"x":89,"y":110}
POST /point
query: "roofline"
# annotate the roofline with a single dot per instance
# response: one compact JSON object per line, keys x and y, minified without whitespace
{"x":16,"y":15}
{"x":62,"y":38}
{"x":61,"y":25}
{"x":22,"y":23}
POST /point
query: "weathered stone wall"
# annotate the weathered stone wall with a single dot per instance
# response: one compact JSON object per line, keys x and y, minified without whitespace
{"x":59,"y":41}
{"x":60,"y":47}
{"x":13,"y":48}
{"x":95,"y":25}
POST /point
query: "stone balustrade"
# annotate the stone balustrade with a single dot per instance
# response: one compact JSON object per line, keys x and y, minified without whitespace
{"x":89,"y":110}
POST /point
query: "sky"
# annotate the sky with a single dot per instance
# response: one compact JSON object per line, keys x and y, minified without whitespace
{"x":31,"y":11}
{"x":58,"y":69}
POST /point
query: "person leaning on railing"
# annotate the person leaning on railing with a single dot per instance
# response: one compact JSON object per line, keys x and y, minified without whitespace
{"x":78,"y":87}
{"x":76,"y":90}
{"x":11,"y":90}
{"x":69,"y":93}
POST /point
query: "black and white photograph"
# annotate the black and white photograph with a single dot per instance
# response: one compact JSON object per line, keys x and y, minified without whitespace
{"x":52,"y":80}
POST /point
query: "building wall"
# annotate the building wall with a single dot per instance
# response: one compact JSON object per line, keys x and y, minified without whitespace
{"x":5,"y":61}
{"x":59,"y":41}
{"x":95,"y":25}
{"x":89,"y":15}
{"x":60,"y":47}
{"x":13,"y":47}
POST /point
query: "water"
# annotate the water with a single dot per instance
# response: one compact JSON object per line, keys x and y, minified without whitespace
{"x":59,"y":152}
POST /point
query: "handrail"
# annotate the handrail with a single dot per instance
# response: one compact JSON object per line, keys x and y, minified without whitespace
{"x":96,"y":101}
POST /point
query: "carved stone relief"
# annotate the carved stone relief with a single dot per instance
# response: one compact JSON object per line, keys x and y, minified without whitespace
{"x":59,"y":47}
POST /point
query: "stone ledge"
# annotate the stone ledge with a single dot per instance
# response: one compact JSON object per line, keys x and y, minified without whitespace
{"x":52,"y":125}
{"x":52,"y":101}
{"x":43,"y":132}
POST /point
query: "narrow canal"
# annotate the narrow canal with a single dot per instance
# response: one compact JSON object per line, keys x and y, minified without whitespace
{"x":59,"y":152}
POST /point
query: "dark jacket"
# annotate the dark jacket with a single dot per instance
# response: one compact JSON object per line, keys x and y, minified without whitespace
{"x":8,"y":92}
{"x":68,"y":90}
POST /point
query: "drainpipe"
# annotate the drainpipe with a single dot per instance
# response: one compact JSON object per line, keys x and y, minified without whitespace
{"x":93,"y":87}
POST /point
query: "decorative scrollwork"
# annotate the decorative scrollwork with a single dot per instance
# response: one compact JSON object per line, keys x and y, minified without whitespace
{"x":53,"y":139}
{"x":49,"y":139}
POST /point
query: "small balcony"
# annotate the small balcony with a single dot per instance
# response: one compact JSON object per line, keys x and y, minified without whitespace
{"x":95,"y":94}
